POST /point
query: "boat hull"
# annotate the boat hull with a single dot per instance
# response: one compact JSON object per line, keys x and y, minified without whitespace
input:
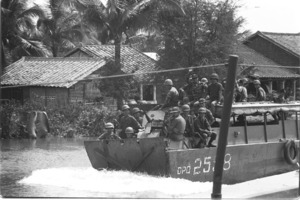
{"x":242,"y":162}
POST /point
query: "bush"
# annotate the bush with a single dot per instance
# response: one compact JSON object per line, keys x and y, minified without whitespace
{"x":80,"y":119}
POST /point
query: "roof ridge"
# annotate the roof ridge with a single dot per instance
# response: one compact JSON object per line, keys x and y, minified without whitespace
{"x":276,"y":33}
{"x":27,"y":58}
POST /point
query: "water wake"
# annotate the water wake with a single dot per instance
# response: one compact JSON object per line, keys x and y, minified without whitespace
{"x":88,"y":182}
{"x":117,"y":183}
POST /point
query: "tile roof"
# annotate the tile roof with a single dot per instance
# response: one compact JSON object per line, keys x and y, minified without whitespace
{"x":288,"y":41}
{"x":133,"y":61}
{"x":53,"y":72}
{"x":250,"y":57}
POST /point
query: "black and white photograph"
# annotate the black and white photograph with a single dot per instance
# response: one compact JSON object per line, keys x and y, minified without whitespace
{"x":150,"y":99}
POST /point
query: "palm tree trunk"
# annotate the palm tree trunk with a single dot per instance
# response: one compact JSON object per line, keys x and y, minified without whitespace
{"x":118,"y":51}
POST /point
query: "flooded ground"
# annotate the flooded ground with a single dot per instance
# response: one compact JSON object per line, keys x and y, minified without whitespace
{"x":59,"y":167}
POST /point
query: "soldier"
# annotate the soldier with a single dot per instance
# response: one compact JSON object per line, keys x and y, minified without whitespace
{"x":130,"y":133}
{"x":172,"y":96}
{"x":189,"y":132}
{"x":195,"y":109}
{"x":204,"y":82}
{"x":175,"y":129}
{"x":109,"y":134}
{"x":128,"y":121}
{"x":198,"y":89}
{"x":203,"y":128}
{"x":260,"y":92}
{"x":241,"y":91}
{"x":136,"y":112}
{"x":214,"y":92}
{"x":209,"y":116}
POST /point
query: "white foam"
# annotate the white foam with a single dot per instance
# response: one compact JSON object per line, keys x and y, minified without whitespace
{"x":136,"y":185}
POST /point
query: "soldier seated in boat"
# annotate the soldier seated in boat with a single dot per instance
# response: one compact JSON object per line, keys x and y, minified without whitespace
{"x":109,"y":134}
{"x":189,"y":132}
{"x":209,"y":116}
{"x":130,"y":133}
{"x":260,"y":93}
{"x":203,"y":128}
{"x":175,"y":129}
{"x":128,"y":121}
{"x":172,"y":95}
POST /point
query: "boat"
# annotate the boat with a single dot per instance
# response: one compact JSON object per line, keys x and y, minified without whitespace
{"x":263,"y":140}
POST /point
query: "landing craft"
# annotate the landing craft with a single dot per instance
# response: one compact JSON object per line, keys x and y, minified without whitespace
{"x":263,"y":140}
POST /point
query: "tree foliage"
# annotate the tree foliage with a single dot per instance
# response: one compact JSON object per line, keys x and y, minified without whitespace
{"x":18,"y":25}
{"x":63,"y":30}
{"x":117,"y":17}
{"x":203,"y":36}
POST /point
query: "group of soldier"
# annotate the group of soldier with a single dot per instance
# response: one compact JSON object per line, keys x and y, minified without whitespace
{"x":189,"y":112}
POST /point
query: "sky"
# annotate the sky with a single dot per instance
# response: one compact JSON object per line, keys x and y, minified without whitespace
{"x":281,"y":16}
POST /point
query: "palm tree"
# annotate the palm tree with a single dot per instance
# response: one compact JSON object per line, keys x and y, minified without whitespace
{"x":18,"y":23}
{"x":63,"y":30}
{"x":116,"y":17}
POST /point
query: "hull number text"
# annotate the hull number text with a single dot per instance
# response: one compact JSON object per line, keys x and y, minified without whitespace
{"x":204,"y":165}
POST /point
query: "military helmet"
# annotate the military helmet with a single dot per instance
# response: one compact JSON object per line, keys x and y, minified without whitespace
{"x":245,"y":80}
{"x":214,"y":76}
{"x":125,"y":107}
{"x":174,"y":110}
{"x":194,"y":76}
{"x":186,"y":107}
{"x":196,"y":103}
{"x":168,"y":82}
{"x":256,"y":82}
{"x":136,"y":110}
{"x":109,"y":125}
{"x":204,"y":80}
{"x":129,"y":130}
{"x":202,"y":100}
{"x":202,"y":110}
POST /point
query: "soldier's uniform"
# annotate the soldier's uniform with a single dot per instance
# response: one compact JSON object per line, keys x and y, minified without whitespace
{"x":260,"y":92}
{"x":203,"y":127}
{"x":128,"y":121}
{"x":172,"y":96}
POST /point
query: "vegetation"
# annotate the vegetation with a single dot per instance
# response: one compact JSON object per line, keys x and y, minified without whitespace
{"x":77,"y":119}
{"x":18,"y":24}
{"x":184,"y":33}
{"x":203,"y":36}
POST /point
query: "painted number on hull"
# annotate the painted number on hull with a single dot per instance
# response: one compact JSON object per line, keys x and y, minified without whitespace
{"x":203,"y":166}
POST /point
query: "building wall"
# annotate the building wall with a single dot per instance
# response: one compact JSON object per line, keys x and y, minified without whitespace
{"x":49,"y":96}
{"x":273,"y":52}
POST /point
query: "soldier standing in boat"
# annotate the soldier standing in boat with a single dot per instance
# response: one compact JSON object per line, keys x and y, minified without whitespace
{"x":109,"y":134}
{"x":203,"y":128}
{"x":172,"y":96}
{"x":260,"y":92}
{"x":241,"y":91}
{"x":198,"y":89}
{"x":128,"y":121}
{"x":214,"y":92}
{"x":136,"y":112}
{"x":175,"y":129}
